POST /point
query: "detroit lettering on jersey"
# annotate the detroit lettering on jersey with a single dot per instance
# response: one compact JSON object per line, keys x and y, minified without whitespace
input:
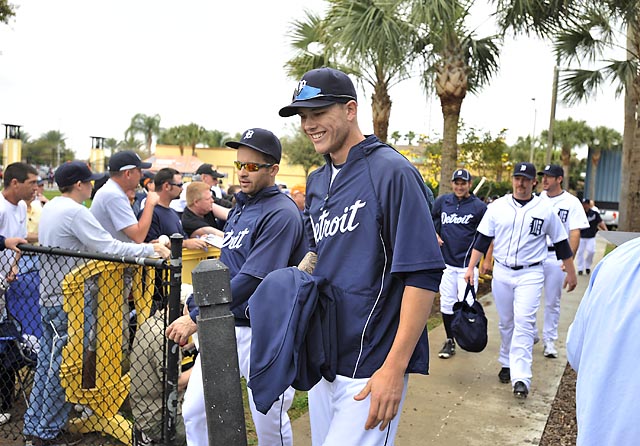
{"x":232,"y":240}
{"x":326,"y":227}
{"x":455,"y":219}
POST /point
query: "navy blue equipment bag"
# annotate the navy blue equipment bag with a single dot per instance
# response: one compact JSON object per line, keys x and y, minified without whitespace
{"x":469,"y":324}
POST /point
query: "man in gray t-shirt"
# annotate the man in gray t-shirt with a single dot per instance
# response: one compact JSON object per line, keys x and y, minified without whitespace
{"x":111,"y":205}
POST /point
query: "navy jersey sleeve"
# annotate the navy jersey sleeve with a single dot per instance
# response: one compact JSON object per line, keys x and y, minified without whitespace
{"x":278,"y":236}
{"x":407,"y":224}
{"x":436,"y":212}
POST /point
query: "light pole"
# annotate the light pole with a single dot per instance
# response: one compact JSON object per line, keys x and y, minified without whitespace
{"x":533,"y":133}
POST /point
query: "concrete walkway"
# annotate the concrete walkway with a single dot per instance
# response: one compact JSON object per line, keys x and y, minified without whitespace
{"x":462,"y":402}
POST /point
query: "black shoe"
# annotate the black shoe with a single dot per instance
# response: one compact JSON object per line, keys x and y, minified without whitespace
{"x":580,"y":273}
{"x":448,"y":349}
{"x":504,"y":375}
{"x":520,"y":390}
{"x":588,"y":271}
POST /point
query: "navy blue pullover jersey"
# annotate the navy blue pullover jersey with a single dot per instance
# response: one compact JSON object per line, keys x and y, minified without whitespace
{"x":263,"y":233}
{"x":369,"y":227}
{"x":457,"y":221}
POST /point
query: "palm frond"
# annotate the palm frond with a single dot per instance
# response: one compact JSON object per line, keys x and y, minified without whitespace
{"x":577,"y":85}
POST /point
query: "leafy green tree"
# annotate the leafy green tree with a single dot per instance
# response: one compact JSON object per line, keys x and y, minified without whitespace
{"x":148,"y":126}
{"x":595,"y":31}
{"x":395,"y":137}
{"x":111,"y":144}
{"x":298,"y":150}
{"x":410,"y":136}
{"x":370,"y":39}
{"x":456,"y":63}
{"x":216,"y":138}
{"x":131,"y":143}
{"x":49,"y":149}
{"x":569,"y":134}
{"x":185,"y":136}
{"x":7,"y":10}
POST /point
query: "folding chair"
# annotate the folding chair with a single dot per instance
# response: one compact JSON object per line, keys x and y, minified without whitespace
{"x":21,"y":326}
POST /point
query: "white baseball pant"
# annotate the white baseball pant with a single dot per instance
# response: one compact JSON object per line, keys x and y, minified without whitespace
{"x":517,"y":297}
{"x":453,"y":286}
{"x":553,"y":279}
{"x":338,"y":420}
{"x":586,"y":251}
{"x":272,"y":429}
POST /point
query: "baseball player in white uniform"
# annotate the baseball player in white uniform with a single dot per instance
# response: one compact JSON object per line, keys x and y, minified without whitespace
{"x":573,"y":218}
{"x":518,"y":224}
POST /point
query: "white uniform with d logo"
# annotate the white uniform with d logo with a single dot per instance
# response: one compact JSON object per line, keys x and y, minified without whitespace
{"x":519,"y":248}
{"x":572,"y":215}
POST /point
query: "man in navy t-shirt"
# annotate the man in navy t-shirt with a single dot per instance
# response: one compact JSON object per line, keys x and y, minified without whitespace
{"x":166,"y":221}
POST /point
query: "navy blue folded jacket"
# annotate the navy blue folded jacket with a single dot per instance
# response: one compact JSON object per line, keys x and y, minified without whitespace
{"x":293,"y":339}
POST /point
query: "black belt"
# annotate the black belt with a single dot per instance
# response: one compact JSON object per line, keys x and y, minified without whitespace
{"x":518,"y":268}
{"x":551,"y":248}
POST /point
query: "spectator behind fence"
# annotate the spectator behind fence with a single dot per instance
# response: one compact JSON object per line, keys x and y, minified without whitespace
{"x":146,"y":185}
{"x":147,"y":382}
{"x":265,"y":232}
{"x":212,"y":177}
{"x":20,"y":183}
{"x":166,"y":221}
{"x":76,"y":229}
{"x":198,"y":218}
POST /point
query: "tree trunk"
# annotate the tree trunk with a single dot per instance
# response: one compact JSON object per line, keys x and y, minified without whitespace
{"x":595,"y":160}
{"x":628,"y":205}
{"x":449,"y":162}
{"x":566,"y":164}
{"x":381,"y":110}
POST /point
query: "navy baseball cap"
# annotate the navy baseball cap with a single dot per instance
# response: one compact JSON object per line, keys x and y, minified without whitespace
{"x":320,"y":88}
{"x":553,"y":170}
{"x":126,"y":160}
{"x":207,"y":169}
{"x":72,"y":172}
{"x":461,"y":174}
{"x":527,"y":170}
{"x":586,"y":201}
{"x":261,"y":140}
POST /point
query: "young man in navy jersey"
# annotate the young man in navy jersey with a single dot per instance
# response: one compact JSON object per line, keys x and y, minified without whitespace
{"x":456,"y":217}
{"x":263,"y":232}
{"x":362,"y":210}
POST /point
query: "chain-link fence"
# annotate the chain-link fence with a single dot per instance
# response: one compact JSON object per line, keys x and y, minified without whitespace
{"x":83,"y":356}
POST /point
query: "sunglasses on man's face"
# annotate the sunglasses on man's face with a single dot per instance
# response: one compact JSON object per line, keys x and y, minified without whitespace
{"x":250,"y":167}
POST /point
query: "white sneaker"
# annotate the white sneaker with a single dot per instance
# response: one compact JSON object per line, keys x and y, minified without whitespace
{"x":550,"y":350}
{"x":4,"y":418}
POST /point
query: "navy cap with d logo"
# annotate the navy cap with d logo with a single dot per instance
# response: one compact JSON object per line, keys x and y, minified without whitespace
{"x":320,"y":88}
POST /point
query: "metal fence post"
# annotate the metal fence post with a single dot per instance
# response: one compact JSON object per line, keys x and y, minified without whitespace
{"x":173,"y":349}
{"x":219,"y":356}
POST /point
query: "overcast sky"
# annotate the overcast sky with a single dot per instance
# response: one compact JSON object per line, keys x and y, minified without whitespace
{"x":86,"y":67}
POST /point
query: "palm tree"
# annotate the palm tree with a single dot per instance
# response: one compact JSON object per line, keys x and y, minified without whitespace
{"x":370,"y":39}
{"x":570,"y":134}
{"x":7,"y":10}
{"x":455,"y":63}
{"x":602,"y":138}
{"x":594,"y":33}
{"x":149,"y":126}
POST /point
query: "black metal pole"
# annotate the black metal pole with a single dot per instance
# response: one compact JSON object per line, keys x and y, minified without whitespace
{"x":219,"y":355}
{"x":173,"y":353}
